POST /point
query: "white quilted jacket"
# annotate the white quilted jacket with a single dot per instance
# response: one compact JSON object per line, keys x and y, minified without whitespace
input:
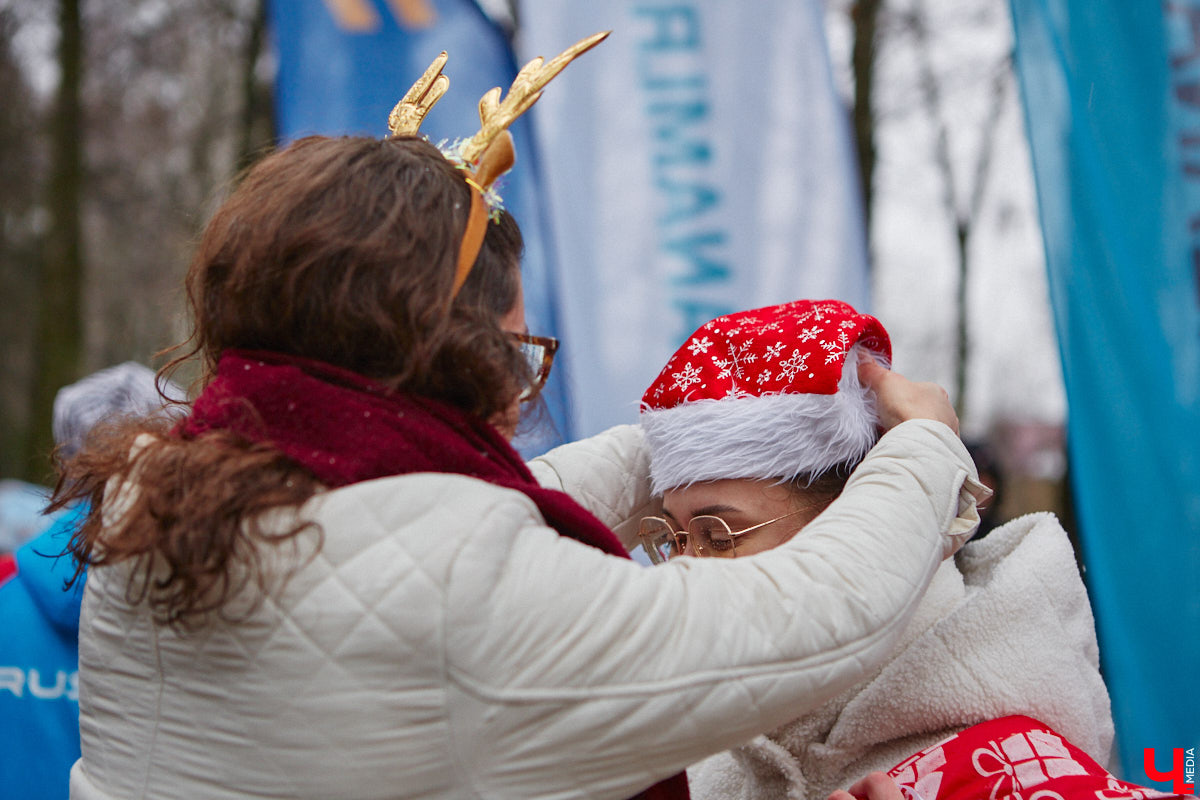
{"x":442,"y":642}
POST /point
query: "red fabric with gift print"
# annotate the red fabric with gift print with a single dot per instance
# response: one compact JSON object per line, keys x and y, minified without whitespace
{"x":1010,"y":758}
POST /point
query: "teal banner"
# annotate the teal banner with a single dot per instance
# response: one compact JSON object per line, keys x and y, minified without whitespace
{"x":1112,"y":101}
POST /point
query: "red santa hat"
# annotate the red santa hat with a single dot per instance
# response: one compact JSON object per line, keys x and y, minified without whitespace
{"x":771,"y":393}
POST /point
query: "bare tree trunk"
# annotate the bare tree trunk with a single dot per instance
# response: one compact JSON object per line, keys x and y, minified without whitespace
{"x":963,"y":215}
{"x":20,"y":160}
{"x":58,"y":346}
{"x":258,"y":118}
{"x":983,"y":164}
{"x":865,"y":16}
{"x":931,"y":93}
{"x":962,"y":236}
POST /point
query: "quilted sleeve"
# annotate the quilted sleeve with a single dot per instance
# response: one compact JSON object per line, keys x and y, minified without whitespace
{"x":575,"y":674}
{"x":608,"y":474}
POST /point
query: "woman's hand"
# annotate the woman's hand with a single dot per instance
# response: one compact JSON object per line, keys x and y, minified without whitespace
{"x":898,"y":399}
{"x":876,"y":786}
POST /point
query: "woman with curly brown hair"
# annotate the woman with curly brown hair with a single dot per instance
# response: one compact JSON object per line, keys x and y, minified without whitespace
{"x":336,"y":578}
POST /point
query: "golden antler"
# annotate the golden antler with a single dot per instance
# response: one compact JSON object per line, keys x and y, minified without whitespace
{"x":488,"y":154}
{"x":408,"y":114}
{"x":495,"y":116}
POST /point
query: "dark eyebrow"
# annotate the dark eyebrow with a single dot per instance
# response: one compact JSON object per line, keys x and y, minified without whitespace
{"x":715,"y":508}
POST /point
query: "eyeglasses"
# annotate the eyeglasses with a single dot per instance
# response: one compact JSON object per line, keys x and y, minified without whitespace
{"x":710,"y":536}
{"x":539,"y":355}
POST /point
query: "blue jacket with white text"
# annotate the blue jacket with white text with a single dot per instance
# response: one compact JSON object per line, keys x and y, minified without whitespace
{"x":39,"y":657}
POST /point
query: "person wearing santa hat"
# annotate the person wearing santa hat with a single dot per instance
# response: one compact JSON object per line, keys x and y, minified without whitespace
{"x":1004,"y":629}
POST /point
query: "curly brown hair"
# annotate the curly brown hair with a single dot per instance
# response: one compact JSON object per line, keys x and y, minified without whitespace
{"x":336,"y":249}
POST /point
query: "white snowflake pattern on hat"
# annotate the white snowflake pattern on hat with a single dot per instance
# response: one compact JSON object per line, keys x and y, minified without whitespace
{"x":686,"y":377}
{"x":796,"y":364}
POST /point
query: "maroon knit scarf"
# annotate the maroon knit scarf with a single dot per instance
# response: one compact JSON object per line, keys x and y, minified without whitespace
{"x":346,"y":428}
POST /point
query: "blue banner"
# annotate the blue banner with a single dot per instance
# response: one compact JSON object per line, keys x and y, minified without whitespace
{"x":343,"y":64}
{"x":1112,"y":100}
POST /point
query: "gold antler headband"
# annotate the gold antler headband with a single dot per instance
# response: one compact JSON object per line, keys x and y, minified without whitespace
{"x":409,"y":113}
{"x":489,"y":153}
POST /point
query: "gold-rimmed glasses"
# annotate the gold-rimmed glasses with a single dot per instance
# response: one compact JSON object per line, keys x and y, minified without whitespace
{"x":711,"y":537}
{"x":539,"y":355}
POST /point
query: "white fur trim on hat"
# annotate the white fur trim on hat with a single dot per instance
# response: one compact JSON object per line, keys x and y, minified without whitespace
{"x":776,"y":436}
